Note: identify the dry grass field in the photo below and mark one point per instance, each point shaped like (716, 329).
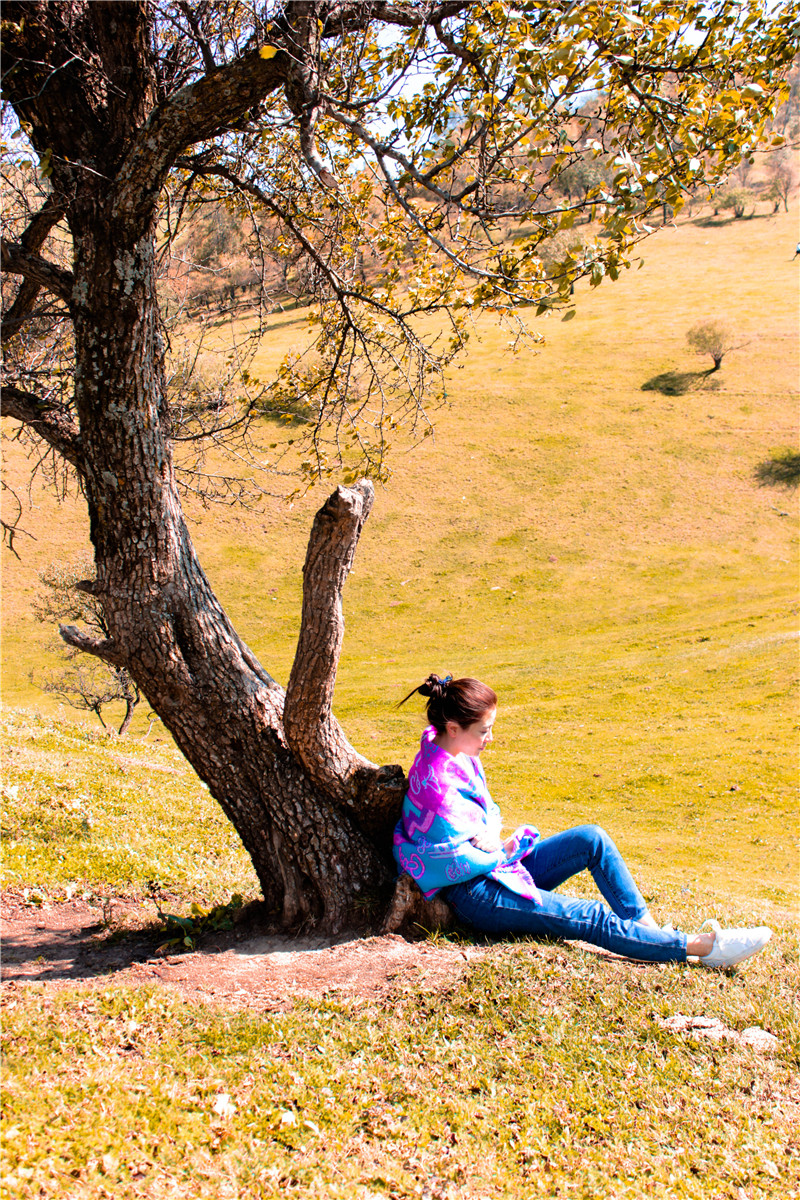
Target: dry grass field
(586, 533)
(598, 550)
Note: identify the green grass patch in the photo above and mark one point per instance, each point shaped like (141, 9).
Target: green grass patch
(86, 810)
(545, 1071)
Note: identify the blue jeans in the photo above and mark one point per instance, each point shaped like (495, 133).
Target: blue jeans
(491, 908)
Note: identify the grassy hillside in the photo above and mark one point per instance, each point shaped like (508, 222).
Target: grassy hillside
(544, 1073)
(595, 548)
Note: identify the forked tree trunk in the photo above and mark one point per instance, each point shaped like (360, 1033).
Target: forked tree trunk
(312, 813)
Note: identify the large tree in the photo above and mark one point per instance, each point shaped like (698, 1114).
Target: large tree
(404, 158)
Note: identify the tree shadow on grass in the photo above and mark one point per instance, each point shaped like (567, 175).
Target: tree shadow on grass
(69, 941)
(720, 220)
(677, 383)
(781, 469)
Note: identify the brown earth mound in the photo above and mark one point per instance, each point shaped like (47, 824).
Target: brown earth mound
(74, 942)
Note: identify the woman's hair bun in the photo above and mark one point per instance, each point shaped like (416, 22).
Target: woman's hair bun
(461, 700)
(434, 686)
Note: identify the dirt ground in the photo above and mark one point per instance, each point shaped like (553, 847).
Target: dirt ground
(69, 942)
(56, 944)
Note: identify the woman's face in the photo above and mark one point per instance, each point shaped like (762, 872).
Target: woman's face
(471, 739)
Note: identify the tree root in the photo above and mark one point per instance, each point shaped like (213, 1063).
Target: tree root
(409, 907)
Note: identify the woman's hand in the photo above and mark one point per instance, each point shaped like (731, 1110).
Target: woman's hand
(486, 842)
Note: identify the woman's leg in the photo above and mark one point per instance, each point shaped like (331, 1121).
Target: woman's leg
(493, 909)
(587, 848)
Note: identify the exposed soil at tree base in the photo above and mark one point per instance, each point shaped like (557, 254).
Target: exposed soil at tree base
(57, 944)
(62, 943)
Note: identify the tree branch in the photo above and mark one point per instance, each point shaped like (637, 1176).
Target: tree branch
(32, 241)
(212, 104)
(195, 113)
(338, 17)
(19, 261)
(201, 41)
(102, 648)
(313, 733)
(302, 82)
(462, 52)
(11, 527)
(52, 424)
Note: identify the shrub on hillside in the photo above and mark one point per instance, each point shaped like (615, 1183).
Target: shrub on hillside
(84, 683)
(739, 199)
(712, 337)
(782, 172)
(781, 469)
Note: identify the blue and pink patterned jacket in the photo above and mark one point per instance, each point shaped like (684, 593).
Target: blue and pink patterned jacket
(447, 804)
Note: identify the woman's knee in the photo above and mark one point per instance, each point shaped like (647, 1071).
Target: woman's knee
(596, 843)
(593, 836)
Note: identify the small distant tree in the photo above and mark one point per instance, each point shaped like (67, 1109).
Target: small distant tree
(580, 177)
(714, 338)
(560, 253)
(781, 469)
(783, 179)
(90, 687)
(739, 199)
(742, 172)
(67, 594)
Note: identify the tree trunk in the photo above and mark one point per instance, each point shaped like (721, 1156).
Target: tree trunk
(313, 815)
(130, 705)
(312, 822)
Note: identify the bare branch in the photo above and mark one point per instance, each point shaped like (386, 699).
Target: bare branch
(32, 241)
(11, 527)
(19, 261)
(205, 49)
(52, 423)
(102, 648)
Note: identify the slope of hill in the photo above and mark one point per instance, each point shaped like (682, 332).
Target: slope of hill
(585, 532)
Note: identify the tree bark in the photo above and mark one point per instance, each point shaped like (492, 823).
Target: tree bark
(314, 860)
(409, 910)
(315, 830)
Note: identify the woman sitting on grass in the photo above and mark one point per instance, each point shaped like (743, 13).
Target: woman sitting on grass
(448, 840)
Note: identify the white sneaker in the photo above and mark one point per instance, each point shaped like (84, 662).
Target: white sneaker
(732, 946)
